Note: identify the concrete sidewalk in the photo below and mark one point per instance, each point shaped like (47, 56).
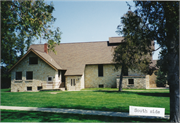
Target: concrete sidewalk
(79, 111)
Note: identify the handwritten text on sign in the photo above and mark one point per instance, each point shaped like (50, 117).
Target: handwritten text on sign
(146, 111)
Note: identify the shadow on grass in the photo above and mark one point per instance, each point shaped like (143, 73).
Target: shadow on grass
(30, 116)
(117, 109)
(159, 94)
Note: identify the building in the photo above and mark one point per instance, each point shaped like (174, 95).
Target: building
(74, 67)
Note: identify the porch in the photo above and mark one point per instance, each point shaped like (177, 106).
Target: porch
(53, 86)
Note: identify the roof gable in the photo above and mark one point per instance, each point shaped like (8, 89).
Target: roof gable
(45, 57)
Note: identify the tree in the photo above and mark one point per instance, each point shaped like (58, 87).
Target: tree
(132, 55)
(161, 79)
(22, 23)
(160, 21)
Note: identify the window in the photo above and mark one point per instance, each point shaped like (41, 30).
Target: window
(131, 81)
(50, 78)
(100, 70)
(101, 86)
(59, 73)
(39, 87)
(18, 75)
(29, 88)
(29, 75)
(126, 72)
(33, 60)
(73, 82)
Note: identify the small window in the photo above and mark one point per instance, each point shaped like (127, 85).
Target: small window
(73, 82)
(101, 86)
(29, 88)
(18, 75)
(33, 60)
(131, 81)
(39, 87)
(100, 70)
(29, 75)
(50, 78)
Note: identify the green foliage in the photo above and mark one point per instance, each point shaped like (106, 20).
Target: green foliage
(135, 51)
(162, 20)
(161, 79)
(22, 23)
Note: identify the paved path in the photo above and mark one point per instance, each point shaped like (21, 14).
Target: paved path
(79, 111)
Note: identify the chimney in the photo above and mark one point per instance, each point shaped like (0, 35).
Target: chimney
(46, 48)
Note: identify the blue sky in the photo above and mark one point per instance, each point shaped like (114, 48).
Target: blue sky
(85, 21)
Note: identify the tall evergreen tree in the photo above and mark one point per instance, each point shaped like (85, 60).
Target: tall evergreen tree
(132, 53)
(160, 22)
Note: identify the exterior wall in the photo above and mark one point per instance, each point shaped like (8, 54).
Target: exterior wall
(92, 80)
(77, 86)
(40, 73)
(110, 79)
(139, 82)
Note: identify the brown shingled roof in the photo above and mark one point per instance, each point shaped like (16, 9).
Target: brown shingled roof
(74, 56)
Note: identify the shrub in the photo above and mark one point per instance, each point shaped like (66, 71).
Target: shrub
(161, 79)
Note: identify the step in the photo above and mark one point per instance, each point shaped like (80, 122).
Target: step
(62, 89)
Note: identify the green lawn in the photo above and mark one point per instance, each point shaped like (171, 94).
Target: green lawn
(103, 99)
(30, 116)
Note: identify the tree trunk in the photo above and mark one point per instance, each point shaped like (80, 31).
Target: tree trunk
(173, 79)
(121, 78)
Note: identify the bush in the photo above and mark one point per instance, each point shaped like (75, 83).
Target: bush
(161, 79)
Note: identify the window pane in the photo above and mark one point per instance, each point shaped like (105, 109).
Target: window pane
(126, 72)
(29, 88)
(39, 87)
(33, 60)
(131, 81)
(49, 78)
(100, 70)
(29, 75)
(18, 75)
(101, 86)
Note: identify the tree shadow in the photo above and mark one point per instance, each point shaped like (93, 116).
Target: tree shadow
(117, 109)
(32, 116)
(159, 94)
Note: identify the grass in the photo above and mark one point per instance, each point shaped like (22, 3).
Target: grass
(103, 99)
(6, 90)
(31, 116)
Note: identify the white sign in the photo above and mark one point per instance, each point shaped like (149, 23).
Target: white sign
(146, 111)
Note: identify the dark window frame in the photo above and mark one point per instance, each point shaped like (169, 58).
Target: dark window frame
(101, 85)
(126, 72)
(131, 81)
(100, 70)
(18, 77)
(73, 82)
(39, 87)
(33, 60)
(51, 78)
(29, 88)
(28, 76)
